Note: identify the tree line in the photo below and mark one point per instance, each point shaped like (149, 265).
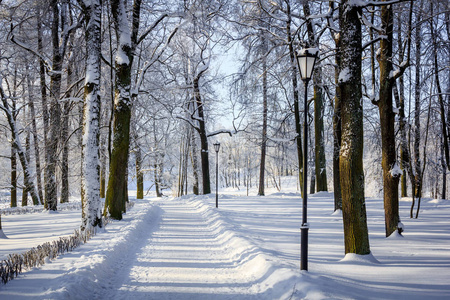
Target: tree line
(95, 93)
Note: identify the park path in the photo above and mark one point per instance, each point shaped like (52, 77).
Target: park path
(190, 256)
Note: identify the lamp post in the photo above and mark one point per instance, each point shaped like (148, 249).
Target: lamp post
(217, 147)
(306, 59)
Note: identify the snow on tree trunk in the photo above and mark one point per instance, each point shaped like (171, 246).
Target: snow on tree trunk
(90, 179)
(356, 236)
(116, 193)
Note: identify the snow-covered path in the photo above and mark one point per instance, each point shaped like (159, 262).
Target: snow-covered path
(189, 254)
(185, 248)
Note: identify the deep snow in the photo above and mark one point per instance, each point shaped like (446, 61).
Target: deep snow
(185, 248)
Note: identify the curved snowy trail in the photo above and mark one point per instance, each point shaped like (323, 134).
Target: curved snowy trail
(191, 255)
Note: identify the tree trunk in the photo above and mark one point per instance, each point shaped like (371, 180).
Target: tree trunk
(51, 195)
(417, 91)
(194, 161)
(103, 169)
(391, 175)
(203, 138)
(45, 113)
(35, 140)
(90, 179)
(319, 144)
(295, 86)
(116, 194)
(65, 154)
(337, 133)
(351, 153)
(262, 165)
(27, 155)
(139, 174)
(13, 189)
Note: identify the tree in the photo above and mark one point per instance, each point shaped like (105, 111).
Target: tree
(350, 157)
(319, 144)
(28, 174)
(90, 179)
(391, 168)
(116, 192)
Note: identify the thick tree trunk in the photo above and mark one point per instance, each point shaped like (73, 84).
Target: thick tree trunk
(203, 138)
(90, 179)
(51, 195)
(350, 160)
(116, 194)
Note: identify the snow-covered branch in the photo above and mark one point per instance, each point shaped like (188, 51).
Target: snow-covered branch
(220, 131)
(363, 3)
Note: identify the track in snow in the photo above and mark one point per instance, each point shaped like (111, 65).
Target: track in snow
(192, 256)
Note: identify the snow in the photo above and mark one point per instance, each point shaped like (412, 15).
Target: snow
(345, 75)
(185, 248)
(313, 51)
(396, 171)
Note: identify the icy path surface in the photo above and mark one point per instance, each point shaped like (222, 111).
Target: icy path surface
(191, 256)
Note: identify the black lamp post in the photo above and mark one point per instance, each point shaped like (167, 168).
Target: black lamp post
(217, 147)
(306, 59)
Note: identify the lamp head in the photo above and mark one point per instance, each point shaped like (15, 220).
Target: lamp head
(216, 146)
(306, 59)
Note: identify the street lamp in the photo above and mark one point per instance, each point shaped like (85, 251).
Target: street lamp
(217, 147)
(306, 59)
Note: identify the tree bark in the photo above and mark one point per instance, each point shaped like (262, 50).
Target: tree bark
(51, 196)
(356, 236)
(116, 194)
(203, 138)
(295, 86)
(90, 179)
(139, 173)
(387, 122)
(319, 144)
(35, 140)
(417, 91)
(262, 165)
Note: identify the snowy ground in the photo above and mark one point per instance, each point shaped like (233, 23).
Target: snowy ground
(183, 248)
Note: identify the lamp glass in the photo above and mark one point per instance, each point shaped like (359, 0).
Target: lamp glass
(306, 60)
